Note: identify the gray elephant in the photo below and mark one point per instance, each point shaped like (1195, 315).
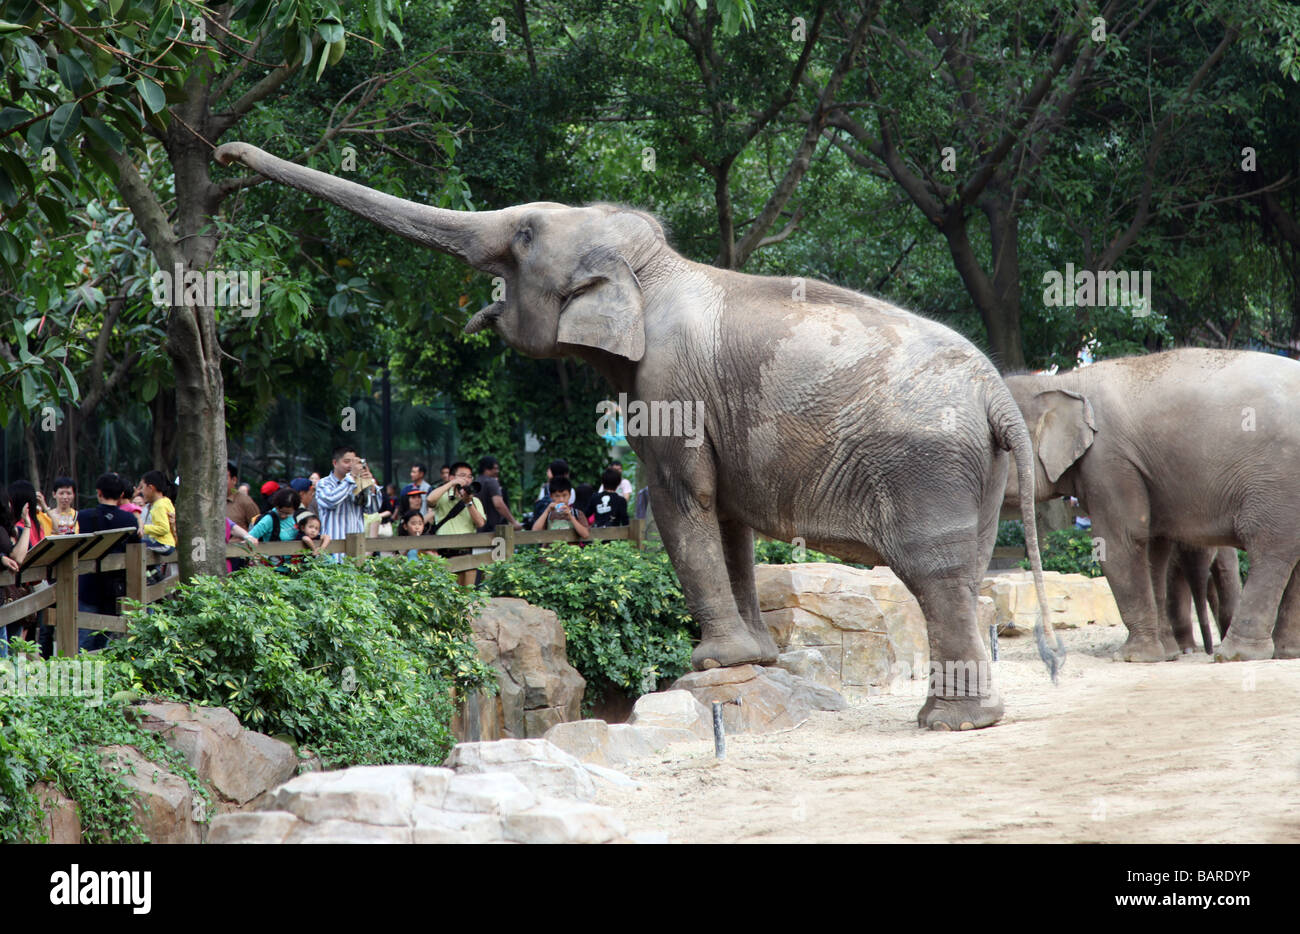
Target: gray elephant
(1195, 446)
(875, 435)
(1209, 580)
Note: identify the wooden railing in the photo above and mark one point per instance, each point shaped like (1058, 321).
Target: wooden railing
(61, 575)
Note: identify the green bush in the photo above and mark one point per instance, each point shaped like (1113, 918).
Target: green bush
(623, 613)
(57, 739)
(1068, 551)
(768, 551)
(354, 663)
(1011, 532)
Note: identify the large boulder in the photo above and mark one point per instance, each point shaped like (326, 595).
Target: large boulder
(162, 802)
(1073, 600)
(866, 625)
(238, 765)
(613, 744)
(673, 710)
(62, 822)
(757, 699)
(538, 688)
(416, 804)
(542, 766)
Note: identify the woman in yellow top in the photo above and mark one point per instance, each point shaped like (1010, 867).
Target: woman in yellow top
(62, 519)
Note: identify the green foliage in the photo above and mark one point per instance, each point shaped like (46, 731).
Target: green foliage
(623, 612)
(354, 663)
(57, 740)
(1011, 532)
(1068, 551)
(767, 551)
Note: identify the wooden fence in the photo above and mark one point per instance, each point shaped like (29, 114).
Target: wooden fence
(60, 564)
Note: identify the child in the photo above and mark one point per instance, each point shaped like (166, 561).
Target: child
(309, 532)
(412, 524)
(158, 521)
(559, 514)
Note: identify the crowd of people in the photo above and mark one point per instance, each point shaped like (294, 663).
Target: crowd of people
(313, 510)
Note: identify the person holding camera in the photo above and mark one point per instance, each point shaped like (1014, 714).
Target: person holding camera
(345, 495)
(456, 510)
(558, 514)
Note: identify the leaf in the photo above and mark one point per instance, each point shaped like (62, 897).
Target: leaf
(105, 132)
(71, 73)
(65, 121)
(10, 248)
(153, 95)
(12, 116)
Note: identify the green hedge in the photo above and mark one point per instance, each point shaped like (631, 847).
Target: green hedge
(56, 739)
(353, 663)
(623, 613)
(1068, 551)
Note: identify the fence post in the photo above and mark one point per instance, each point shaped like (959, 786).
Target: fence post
(354, 546)
(636, 533)
(65, 604)
(508, 533)
(136, 571)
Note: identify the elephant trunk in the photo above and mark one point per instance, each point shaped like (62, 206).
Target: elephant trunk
(476, 238)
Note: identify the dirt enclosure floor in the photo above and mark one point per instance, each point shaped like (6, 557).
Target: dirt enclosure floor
(1179, 752)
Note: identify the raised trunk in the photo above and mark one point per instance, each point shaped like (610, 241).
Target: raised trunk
(477, 238)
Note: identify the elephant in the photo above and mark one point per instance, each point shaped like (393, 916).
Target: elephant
(1195, 445)
(1209, 579)
(873, 434)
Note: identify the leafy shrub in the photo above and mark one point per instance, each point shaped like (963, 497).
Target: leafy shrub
(354, 663)
(1068, 551)
(767, 551)
(1011, 532)
(57, 739)
(623, 612)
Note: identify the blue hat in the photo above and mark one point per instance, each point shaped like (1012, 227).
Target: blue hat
(411, 488)
(300, 484)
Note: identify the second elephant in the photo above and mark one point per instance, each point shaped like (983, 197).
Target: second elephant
(1207, 580)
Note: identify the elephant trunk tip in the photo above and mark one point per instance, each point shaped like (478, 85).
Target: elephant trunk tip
(486, 317)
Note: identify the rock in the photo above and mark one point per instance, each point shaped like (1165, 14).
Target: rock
(237, 764)
(771, 699)
(442, 827)
(252, 827)
(162, 802)
(811, 665)
(611, 777)
(538, 686)
(674, 710)
(347, 831)
(543, 767)
(380, 795)
(601, 743)
(1072, 599)
(564, 822)
(488, 793)
(648, 836)
(62, 821)
(866, 624)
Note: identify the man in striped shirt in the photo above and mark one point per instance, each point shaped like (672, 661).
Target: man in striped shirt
(345, 495)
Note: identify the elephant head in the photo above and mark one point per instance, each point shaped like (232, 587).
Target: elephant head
(570, 273)
(1061, 427)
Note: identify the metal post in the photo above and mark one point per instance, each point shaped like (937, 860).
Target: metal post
(719, 733)
(993, 640)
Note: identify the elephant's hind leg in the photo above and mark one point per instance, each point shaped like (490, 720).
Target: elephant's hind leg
(1251, 635)
(738, 547)
(1286, 637)
(961, 695)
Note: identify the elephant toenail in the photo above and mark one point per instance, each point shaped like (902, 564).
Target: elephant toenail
(967, 725)
(940, 725)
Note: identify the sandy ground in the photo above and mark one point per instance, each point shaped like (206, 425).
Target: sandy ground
(1179, 752)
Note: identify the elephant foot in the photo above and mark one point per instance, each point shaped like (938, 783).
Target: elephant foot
(1287, 650)
(767, 646)
(741, 648)
(1147, 650)
(1236, 649)
(960, 713)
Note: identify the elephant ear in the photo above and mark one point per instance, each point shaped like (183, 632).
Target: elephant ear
(1064, 430)
(606, 309)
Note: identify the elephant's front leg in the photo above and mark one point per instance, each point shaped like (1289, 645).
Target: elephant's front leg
(1131, 574)
(738, 546)
(1251, 635)
(688, 524)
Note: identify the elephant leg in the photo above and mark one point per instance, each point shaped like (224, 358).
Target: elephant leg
(961, 695)
(738, 547)
(1179, 602)
(1159, 551)
(693, 538)
(1129, 572)
(1196, 568)
(1251, 636)
(1286, 637)
(1226, 572)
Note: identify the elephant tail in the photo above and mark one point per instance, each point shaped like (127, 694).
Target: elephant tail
(1012, 435)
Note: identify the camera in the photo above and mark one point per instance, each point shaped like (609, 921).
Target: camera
(474, 488)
